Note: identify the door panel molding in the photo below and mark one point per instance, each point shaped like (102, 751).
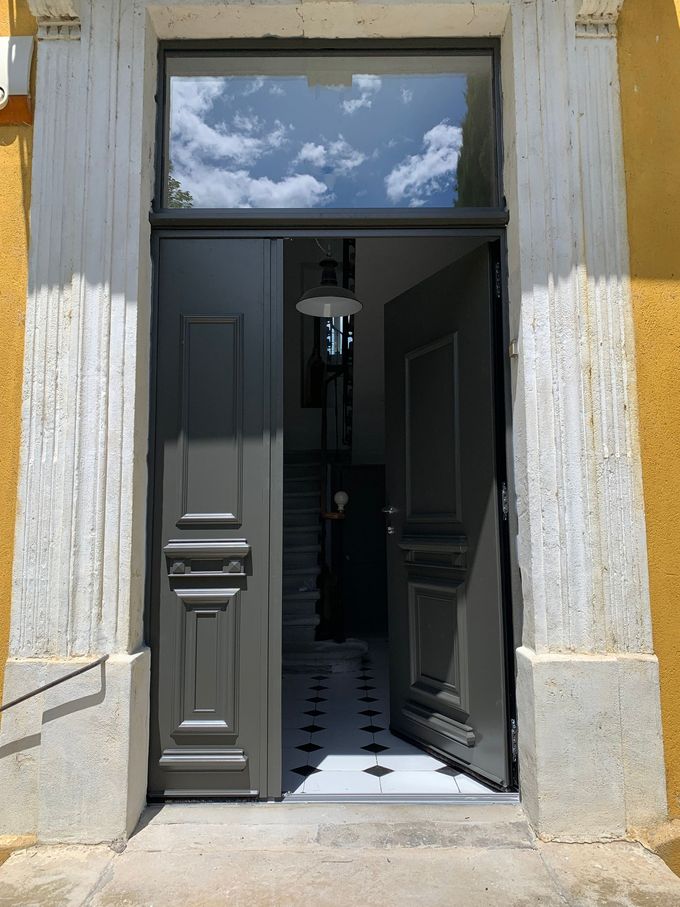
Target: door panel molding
(423, 386)
(229, 398)
(219, 645)
(440, 693)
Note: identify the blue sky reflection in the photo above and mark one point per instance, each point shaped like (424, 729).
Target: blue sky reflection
(277, 141)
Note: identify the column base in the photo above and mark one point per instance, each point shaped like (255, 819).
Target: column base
(590, 744)
(73, 760)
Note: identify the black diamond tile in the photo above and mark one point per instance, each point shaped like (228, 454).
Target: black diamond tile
(365, 688)
(312, 728)
(319, 677)
(378, 771)
(372, 728)
(369, 713)
(367, 699)
(305, 770)
(364, 677)
(375, 748)
(315, 712)
(451, 772)
(308, 747)
(319, 687)
(316, 699)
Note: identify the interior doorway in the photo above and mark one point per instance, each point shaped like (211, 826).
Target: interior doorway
(394, 605)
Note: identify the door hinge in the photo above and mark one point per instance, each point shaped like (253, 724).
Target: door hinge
(505, 505)
(513, 738)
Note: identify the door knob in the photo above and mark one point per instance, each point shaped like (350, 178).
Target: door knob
(389, 510)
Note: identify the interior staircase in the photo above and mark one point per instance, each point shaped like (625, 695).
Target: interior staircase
(302, 484)
(301, 549)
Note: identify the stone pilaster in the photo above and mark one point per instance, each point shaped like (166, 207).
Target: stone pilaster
(78, 570)
(590, 763)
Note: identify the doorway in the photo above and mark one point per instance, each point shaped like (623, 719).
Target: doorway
(244, 494)
(245, 518)
(394, 637)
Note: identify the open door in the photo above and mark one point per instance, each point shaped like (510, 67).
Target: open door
(215, 718)
(447, 674)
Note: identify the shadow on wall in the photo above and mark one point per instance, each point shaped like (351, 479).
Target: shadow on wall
(15, 176)
(22, 743)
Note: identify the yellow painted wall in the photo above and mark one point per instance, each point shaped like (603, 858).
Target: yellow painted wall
(15, 187)
(649, 61)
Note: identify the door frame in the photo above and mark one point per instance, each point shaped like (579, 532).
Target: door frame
(495, 236)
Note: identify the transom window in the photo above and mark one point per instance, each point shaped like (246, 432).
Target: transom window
(333, 130)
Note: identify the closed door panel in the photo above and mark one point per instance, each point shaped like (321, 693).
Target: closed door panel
(447, 683)
(210, 605)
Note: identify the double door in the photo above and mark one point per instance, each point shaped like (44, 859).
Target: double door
(216, 513)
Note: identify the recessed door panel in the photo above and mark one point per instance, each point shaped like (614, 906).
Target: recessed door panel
(210, 607)
(211, 458)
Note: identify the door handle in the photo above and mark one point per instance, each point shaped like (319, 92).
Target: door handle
(389, 512)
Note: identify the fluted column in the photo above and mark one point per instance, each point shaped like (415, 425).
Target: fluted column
(591, 759)
(78, 572)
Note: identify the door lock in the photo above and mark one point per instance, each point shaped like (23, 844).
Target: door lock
(389, 512)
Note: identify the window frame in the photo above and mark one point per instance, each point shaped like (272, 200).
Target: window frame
(495, 215)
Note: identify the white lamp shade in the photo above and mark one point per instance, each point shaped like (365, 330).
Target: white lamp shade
(328, 302)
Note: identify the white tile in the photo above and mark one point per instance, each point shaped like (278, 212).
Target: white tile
(418, 783)
(342, 783)
(341, 762)
(396, 744)
(409, 762)
(468, 785)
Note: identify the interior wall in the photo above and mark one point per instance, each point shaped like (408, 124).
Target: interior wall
(385, 268)
(16, 144)
(649, 64)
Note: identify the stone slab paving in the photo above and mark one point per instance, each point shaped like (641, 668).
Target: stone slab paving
(326, 855)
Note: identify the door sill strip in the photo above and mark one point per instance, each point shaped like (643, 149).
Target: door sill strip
(461, 799)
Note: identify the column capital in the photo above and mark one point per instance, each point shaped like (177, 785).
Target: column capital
(57, 19)
(597, 18)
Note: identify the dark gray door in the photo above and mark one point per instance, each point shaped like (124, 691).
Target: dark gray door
(447, 681)
(215, 713)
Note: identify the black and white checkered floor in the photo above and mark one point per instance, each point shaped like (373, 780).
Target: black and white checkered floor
(336, 740)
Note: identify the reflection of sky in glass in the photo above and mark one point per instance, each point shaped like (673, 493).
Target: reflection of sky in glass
(278, 142)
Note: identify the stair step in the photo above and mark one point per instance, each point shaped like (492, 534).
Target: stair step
(307, 519)
(296, 536)
(301, 484)
(312, 595)
(301, 470)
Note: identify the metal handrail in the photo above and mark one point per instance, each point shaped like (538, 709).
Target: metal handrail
(54, 683)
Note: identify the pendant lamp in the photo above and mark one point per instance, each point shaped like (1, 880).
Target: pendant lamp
(328, 300)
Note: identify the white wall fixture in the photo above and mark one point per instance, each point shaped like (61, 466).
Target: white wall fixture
(16, 54)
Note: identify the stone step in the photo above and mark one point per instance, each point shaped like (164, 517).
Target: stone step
(303, 580)
(324, 656)
(302, 484)
(307, 517)
(300, 557)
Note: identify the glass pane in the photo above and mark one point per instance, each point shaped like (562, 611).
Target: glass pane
(327, 131)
